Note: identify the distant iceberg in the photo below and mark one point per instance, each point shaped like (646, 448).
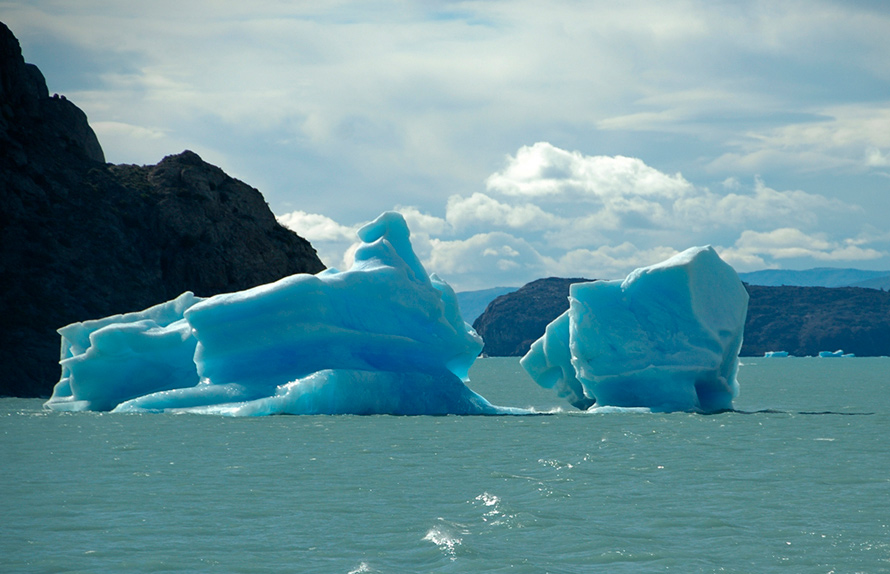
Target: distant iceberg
(381, 338)
(666, 338)
(775, 354)
(838, 353)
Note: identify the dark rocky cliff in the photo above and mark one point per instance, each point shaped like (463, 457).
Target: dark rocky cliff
(81, 239)
(800, 320)
(512, 322)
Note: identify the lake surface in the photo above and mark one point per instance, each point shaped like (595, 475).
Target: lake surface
(798, 481)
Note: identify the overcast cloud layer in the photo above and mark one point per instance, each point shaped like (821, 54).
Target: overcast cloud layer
(520, 139)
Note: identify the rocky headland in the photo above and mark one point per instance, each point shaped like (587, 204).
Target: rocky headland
(82, 239)
(512, 322)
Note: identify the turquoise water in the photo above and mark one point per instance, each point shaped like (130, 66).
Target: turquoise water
(799, 481)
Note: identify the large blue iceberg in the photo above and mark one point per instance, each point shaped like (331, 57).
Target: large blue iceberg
(666, 338)
(383, 337)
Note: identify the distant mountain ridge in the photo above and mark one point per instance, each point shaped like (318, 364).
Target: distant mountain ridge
(818, 277)
(473, 303)
(882, 283)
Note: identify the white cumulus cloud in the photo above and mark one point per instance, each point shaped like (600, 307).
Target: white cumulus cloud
(791, 243)
(316, 227)
(480, 209)
(332, 241)
(552, 212)
(544, 170)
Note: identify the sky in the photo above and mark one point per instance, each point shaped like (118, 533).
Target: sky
(519, 139)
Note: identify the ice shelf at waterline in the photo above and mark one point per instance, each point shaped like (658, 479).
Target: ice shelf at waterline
(383, 337)
(666, 338)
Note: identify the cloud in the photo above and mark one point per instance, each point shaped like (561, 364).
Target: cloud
(620, 194)
(629, 215)
(874, 157)
(544, 170)
(791, 243)
(850, 137)
(485, 260)
(482, 210)
(607, 262)
(423, 223)
(316, 227)
(120, 129)
(762, 207)
(684, 109)
(330, 239)
(682, 115)
(408, 104)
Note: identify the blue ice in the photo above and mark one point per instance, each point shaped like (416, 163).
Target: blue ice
(383, 337)
(838, 353)
(665, 338)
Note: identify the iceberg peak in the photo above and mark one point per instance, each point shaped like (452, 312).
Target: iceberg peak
(387, 241)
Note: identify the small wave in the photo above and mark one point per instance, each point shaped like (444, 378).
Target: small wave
(493, 513)
(445, 540)
(553, 463)
(488, 499)
(610, 409)
(496, 513)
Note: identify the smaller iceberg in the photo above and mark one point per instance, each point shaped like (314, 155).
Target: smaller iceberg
(667, 338)
(383, 337)
(775, 354)
(838, 353)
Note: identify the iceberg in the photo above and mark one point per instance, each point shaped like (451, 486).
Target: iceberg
(775, 354)
(666, 338)
(838, 353)
(383, 337)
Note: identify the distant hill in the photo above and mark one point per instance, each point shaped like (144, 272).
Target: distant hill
(818, 277)
(800, 320)
(882, 283)
(512, 322)
(807, 320)
(473, 303)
